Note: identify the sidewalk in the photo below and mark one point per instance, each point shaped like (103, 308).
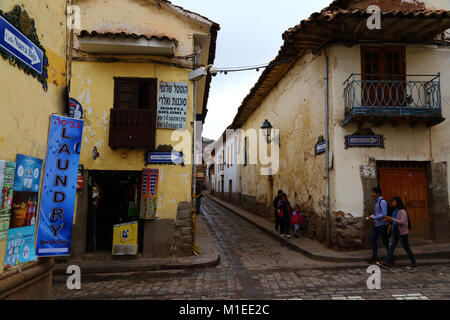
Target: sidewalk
(315, 250)
(106, 263)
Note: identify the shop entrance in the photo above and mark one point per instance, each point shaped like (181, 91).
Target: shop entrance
(408, 180)
(113, 199)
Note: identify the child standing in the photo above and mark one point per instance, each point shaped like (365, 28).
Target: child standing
(297, 220)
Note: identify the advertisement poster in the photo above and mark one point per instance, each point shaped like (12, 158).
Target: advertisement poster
(59, 187)
(172, 105)
(25, 191)
(7, 172)
(20, 246)
(149, 196)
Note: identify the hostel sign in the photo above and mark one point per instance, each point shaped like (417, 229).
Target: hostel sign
(172, 105)
(17, 44)
(59, 187)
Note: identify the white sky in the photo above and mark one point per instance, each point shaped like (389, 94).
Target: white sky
(250, 34)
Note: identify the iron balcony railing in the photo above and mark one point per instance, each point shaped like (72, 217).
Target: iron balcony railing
(400, 95)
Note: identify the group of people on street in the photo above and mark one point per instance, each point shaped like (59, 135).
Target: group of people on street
(391, 223)
(397, 217)
(284, 216)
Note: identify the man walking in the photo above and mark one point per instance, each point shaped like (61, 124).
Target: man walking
(380, 227)
(275, 206)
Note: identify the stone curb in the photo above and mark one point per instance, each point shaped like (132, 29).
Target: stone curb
(143, 265)
(296, 247)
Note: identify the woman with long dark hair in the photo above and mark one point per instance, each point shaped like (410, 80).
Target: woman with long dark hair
(399, 231)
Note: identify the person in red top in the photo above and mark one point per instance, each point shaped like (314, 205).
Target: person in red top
(297, 220)
(284, 212)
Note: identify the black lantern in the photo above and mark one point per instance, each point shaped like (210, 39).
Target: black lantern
(267, 128)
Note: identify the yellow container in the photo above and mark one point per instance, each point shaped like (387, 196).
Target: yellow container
(125, 239)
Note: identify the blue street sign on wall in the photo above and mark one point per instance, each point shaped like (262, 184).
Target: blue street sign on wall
(165, 158)
(355, 141)
(321, 147)
(59, 187)
(17, 44)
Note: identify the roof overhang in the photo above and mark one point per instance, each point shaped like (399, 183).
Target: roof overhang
(128, 46)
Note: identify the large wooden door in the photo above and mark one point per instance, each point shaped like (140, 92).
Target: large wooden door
(411, 185)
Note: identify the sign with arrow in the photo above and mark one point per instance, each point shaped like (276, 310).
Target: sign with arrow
(17, 44)
(355, 141)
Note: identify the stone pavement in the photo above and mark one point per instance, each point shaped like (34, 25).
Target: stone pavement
(315, 250)
(106, 263)
(254, 265)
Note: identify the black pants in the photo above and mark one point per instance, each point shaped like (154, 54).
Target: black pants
(284, 225)
(376, 232)
(277, 220)
(395, 237)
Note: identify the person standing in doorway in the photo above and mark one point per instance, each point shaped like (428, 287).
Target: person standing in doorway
(400, 225)
(380, 227)
(285, 216)
(275, 207)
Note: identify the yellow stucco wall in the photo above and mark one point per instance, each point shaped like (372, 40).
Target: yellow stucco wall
(93, 86)
(25, 107)
(298, 114)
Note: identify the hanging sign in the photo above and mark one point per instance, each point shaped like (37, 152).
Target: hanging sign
(372, 141)
(149, 194)
(59, 187)
(17, 44)
(172, 105)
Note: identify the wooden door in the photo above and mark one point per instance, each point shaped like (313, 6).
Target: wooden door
(230, 190)
(410, 184)
(383, 73)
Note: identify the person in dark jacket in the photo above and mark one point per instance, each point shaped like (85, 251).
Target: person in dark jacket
(285, 211)
(275, 207)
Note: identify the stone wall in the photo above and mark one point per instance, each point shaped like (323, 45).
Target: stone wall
(182, 236)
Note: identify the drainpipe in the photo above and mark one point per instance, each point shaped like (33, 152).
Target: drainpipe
(327, 154)
(194, 178)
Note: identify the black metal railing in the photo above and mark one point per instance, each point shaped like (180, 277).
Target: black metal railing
(421, 92)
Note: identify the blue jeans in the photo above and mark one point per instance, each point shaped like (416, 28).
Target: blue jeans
(376, 232)
(395, 237)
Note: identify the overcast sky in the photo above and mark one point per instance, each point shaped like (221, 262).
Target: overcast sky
(250, 34)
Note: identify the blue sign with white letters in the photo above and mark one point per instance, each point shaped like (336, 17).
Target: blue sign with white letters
(17, 44)
(59, 187)
(165, 158)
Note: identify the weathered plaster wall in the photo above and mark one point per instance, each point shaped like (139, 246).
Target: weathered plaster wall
(401, 143)
(93, 86)
(295, 107)
(25, 107)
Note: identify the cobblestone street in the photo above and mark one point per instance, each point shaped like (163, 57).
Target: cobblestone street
(256, 266)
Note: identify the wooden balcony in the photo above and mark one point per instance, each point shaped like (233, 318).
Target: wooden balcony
(413, 99)
(132, 129)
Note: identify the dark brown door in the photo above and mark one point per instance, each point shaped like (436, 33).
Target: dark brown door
(230, 190)
(383, 74)
(411, 186)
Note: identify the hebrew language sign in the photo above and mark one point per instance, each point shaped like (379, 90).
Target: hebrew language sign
(172, 105)
(59, 187)
(149, 194)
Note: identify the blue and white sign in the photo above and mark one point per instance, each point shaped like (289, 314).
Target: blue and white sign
(321, 147)
(165, 158)
(17, 44)
(59, 187)
(364, 141)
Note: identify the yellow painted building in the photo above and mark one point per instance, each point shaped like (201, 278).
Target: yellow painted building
(26, 103)
(120, 46)
(411, 62)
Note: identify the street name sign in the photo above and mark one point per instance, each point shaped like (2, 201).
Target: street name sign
(17, 44)
(364, 141)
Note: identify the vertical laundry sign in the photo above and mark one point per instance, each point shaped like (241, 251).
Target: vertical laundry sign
(59, 187)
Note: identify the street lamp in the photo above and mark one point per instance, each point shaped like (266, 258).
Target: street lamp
(267, 128)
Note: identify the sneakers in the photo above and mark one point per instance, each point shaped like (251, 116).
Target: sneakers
(411, 266)
(384, 264)
(288, 236)
(282, 235)
(295, 235)
(374, 260)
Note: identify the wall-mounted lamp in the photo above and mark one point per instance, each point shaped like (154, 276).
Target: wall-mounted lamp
(267, 128)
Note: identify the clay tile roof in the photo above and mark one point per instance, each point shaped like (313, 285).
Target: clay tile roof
(325, 27)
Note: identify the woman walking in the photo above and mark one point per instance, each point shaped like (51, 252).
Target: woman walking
(400, 225)
(284, 212)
